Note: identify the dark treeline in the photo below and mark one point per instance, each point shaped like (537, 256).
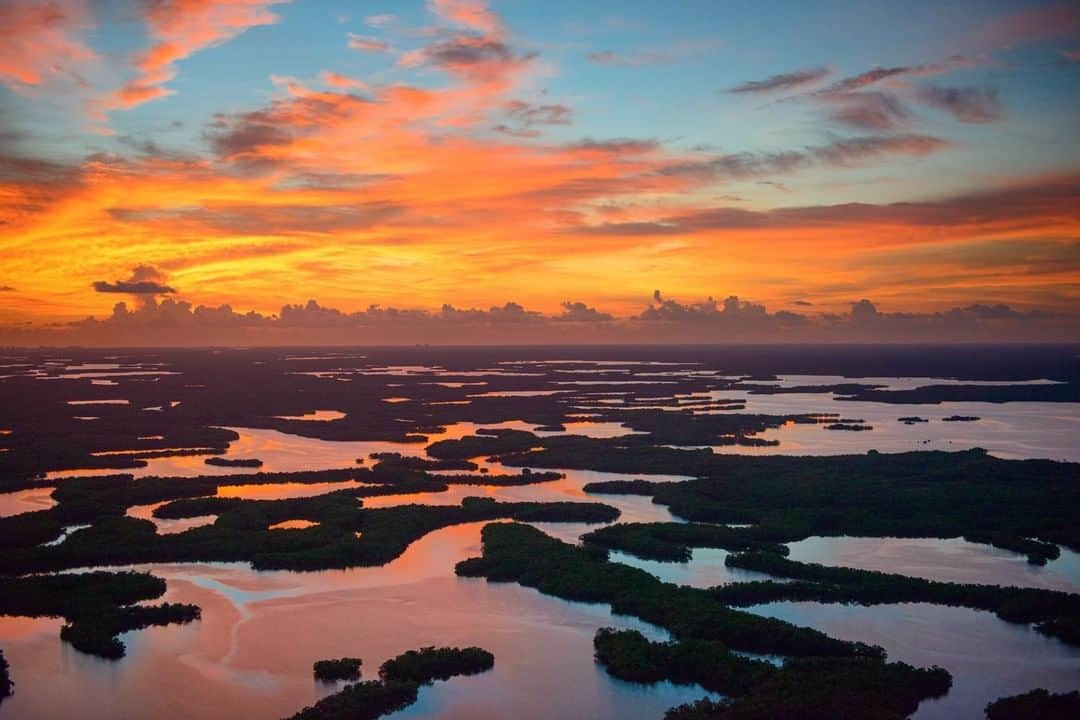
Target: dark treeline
(234, 462)
(6, 686)
(1037, 704)
(523, 554)
(821, 583)
(834, 679)
(924, 494)
(241, 533)
(88, 500)
(188, 410)
(345, 668)
(399, 682)
(97, 606)
(672, 542)
(825, 688)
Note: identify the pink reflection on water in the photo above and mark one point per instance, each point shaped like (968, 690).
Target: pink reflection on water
(251, 654)
(20, 501)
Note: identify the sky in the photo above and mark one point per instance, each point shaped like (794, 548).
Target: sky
(276, 171)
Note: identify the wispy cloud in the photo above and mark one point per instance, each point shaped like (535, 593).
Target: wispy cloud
(783, 81)
(966, 104)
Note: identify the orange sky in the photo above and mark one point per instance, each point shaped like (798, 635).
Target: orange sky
(452, 176)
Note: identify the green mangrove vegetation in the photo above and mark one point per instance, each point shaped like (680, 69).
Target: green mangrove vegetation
(6, 686)
(820, 583)
(241, 532)
(346, 668)
(672, 542)
(827, 689)
(924, 494)
(1040, 704)
(399, 682)
(97, 606)
(520, 553)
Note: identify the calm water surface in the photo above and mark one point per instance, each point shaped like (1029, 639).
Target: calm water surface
(251, 654)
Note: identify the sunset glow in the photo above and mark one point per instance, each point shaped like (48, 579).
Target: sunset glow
(571, 160)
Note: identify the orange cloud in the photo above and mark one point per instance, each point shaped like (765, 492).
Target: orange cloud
(401, 194)
(181, 28)
(39, 39)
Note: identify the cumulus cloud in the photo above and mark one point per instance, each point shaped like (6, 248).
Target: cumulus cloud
(145, 280)
(664, 319)
(580, 312)
(783, 81)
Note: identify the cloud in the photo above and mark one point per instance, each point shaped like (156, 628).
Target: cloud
(522, 133)
(876, 75)
(530, 114)
(471, 14)
(671, 52)
(580, 312)
(607, 57)
(1060, 20)
(840, 152)
(380, 22)
(1046, 201)
(341, 82)
(41, 40)
(664, 319)
(366, 43)
(1071, 56)
(620, 146)
(870, 110)
(145, 280)
(784, 81)
(181, 28)
(852, 151)
(6, 288)
(250, 138)
(966, 104)
(473, 58)
(254, 219)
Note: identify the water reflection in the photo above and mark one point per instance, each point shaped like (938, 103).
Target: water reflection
(251, 654)
(20, 501)
(946, 560)
(988, 658)
(705, 569)
(1007, 430)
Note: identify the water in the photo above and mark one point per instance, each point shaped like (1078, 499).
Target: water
(251, 654)
(988, 658)
(945, 560)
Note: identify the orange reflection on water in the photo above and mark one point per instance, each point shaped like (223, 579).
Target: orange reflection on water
(293, 525)
(285, 491)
